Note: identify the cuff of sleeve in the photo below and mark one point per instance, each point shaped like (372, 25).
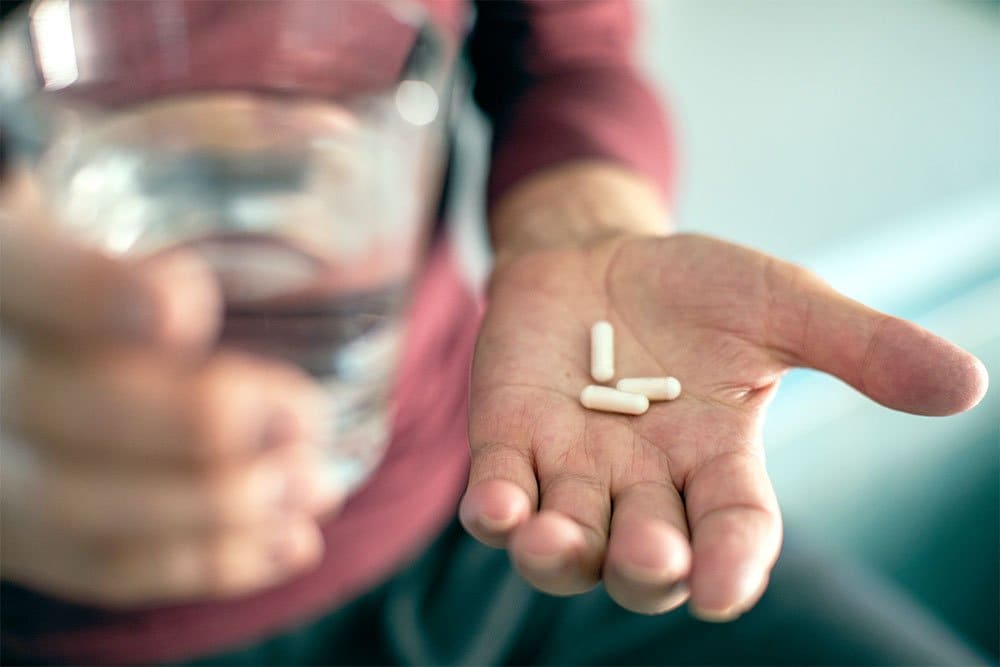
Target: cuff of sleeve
(606, 114)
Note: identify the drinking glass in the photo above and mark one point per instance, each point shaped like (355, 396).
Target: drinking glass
(294, 144)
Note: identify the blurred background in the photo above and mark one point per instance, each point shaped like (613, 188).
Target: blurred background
(861, 139)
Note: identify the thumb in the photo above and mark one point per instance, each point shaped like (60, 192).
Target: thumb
(890, 360)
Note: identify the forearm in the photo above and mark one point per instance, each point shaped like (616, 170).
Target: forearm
(581, 147)
(576, 203)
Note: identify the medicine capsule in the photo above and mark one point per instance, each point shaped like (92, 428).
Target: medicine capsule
(606, 399)
(602, 351)
(655, 389)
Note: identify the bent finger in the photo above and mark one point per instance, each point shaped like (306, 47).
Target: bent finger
(735, 534)
(93, 501)
(135, 407)
(560, 550)
(502, 492)
(217, 566)
(649, 555)
(53, 286)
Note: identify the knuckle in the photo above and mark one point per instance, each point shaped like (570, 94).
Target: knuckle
(568, 478)
(494, 459)
(495, 449)
(662, 489)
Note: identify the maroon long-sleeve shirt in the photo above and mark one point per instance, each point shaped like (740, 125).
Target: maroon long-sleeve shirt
(558, 81)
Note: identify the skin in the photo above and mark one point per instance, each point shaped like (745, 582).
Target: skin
(675, 503)
(141, 467)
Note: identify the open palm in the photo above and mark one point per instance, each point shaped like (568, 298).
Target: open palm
(676, 501)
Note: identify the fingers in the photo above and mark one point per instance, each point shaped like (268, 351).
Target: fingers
(736, 533)
(136, 407)
(139, 572)
(560, 550)
(894, 362)
(96, 503)
(502, 492)
(52, 286)
(648, 554)
(120, 538)
(231, 564)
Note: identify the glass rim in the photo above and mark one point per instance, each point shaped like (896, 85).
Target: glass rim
(24, 77)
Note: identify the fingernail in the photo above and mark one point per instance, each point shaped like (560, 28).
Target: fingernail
(714, 615)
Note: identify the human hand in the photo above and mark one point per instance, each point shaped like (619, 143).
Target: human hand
(139, 466)
(679, 494)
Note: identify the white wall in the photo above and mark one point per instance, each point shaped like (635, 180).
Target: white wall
(806, 122)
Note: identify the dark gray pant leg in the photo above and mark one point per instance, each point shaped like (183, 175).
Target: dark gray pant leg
(463, 604)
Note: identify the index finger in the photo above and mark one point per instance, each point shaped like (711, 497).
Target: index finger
(51, 285)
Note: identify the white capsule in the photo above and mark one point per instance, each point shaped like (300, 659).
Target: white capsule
(606, 399)
(602, 351)
(655, 389)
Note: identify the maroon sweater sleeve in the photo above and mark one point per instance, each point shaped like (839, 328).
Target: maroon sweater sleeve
(558, 81)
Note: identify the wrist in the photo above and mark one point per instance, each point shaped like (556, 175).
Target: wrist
(576, 204)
